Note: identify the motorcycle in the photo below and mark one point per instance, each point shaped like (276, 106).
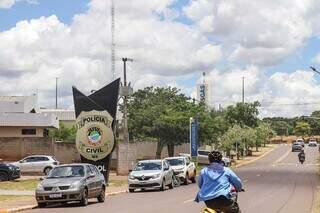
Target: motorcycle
(234, 198)
(302, 159)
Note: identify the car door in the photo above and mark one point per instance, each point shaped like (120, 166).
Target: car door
(26, 164)
(166, 173)
(97, 180)
(90, 181)
(39, 164)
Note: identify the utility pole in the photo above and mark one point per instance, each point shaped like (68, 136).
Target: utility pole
(125, 101)
(243, 90)
(56, 93)
(113, 43)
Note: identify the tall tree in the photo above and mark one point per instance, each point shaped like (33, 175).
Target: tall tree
(243, 114)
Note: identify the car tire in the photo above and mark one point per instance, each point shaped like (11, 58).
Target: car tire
(185, 181)
(4, 176)
(47, 170)
(84, 198)
(131, 190)
(42, 205)
(171, 184)
(101, 198)
(193, 179)
(162, 186)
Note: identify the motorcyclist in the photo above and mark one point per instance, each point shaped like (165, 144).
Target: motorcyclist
(302, 156)
(215, 183)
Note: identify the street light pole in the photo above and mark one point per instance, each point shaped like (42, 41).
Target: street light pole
(125, 102)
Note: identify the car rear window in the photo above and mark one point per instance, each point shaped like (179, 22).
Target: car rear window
(203, 153)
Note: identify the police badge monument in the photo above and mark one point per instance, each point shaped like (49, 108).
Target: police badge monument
(95, 116)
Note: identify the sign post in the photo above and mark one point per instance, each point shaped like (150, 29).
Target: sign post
(95, 119)
(194, 137)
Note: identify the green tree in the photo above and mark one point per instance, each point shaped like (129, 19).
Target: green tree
(302, 128)
(161, 114)
(64, 133)
(243, 114)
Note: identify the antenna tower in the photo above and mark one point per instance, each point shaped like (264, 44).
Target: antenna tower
(113, 45)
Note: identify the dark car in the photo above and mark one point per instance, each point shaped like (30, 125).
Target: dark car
(9, 172)
(296, 147)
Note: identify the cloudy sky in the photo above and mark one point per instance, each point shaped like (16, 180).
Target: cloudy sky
(271, 43)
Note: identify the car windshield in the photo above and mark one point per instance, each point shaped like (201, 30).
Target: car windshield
(176, 161)
(148, 166)
(67, 171)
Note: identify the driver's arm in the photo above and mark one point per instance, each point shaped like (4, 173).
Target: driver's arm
(235, 180)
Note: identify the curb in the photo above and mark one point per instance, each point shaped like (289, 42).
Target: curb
(16, 209)
(254, 160)
(22, 208)
(115, 193)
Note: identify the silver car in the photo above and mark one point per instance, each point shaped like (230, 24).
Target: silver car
(151, 174)
(37, 163)
(71, 182)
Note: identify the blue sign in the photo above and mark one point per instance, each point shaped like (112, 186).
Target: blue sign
(194, 126)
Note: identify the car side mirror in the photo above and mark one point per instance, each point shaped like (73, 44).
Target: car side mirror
(188, 163)
(21, 161)
(42, 178)
(91, 175)
(130, 170)
(166, 169)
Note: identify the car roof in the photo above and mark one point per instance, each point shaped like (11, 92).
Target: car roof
(74, 164)
(150, 161)
(178, 157)
(39, 156)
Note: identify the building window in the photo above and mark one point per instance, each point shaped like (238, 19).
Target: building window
(29, 132)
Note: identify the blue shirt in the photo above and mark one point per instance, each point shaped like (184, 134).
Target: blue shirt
(216, 180)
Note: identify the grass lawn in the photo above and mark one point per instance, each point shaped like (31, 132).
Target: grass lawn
(118, 183)
(19, 184)
(32, 184)
(4, 198)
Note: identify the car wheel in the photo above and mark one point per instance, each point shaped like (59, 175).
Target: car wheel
(131, 190)
(193, 179)
(185, 181)
(47, 170)
(162, 186)
(101, 198)
(171, 184)
(4, 176)
(42, 205)
(84, 198)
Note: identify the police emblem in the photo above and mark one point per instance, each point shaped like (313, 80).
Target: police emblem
(95, 138)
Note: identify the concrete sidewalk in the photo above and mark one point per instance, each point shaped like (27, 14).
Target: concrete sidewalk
(25, 199)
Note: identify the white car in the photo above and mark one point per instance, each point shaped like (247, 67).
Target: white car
(183, 168)
(203, 158)
(151, 174)
(37, 163)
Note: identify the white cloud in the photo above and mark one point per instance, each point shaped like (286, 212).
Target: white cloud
(261, 32)
(281, 94)
(6, 4)
(38, 50)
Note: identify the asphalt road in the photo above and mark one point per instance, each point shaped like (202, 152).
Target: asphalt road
(274, 184)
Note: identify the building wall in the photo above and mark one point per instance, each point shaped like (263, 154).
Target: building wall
(15, 148)
(17, 132)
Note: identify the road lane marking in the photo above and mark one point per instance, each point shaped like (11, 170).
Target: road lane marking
(188, 201)
(258, 175)
(281, 158)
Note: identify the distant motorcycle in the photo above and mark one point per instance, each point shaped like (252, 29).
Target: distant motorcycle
(302, 158)
(234, 197)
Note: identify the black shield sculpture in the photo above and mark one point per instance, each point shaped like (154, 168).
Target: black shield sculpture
(96, 116)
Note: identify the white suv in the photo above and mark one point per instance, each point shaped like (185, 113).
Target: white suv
(37, 163)
(183, 168)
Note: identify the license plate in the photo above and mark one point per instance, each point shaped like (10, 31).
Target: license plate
(59, 195)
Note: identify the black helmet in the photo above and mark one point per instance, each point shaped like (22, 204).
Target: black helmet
(215, 157)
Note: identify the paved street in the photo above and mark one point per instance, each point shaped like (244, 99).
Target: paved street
(273, 184)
